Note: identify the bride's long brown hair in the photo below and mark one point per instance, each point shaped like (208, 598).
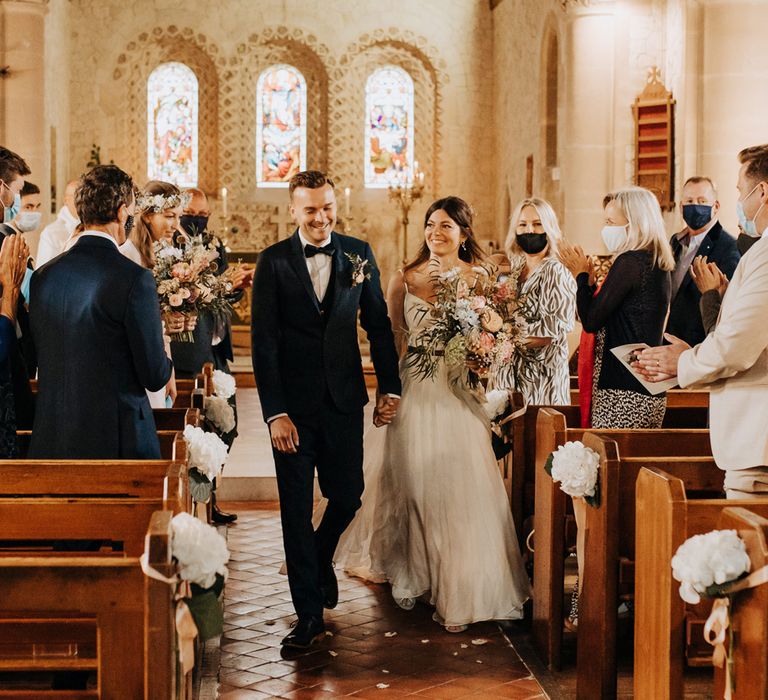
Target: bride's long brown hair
(461, 214)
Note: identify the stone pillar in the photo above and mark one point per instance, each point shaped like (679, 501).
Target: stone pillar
(589, 114)
(22, 89)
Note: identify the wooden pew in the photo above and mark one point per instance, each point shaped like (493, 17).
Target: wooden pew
(551, 508)
(175, 418)
(519, 468)
(669, 517)
(135, 654)
(749, 612)
(609, 554)
(675, 397)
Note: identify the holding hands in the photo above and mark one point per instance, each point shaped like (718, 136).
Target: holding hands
(386, 409)
(707, 276)
(13, 264)
(576, 260)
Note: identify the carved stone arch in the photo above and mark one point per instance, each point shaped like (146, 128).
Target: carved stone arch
(279, 45)
(134, 65)
(420, 60)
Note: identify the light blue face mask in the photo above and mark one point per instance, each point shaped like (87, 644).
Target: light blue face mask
(748, 225)
(9, 213)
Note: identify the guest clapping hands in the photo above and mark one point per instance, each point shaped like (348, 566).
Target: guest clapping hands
(13, 265)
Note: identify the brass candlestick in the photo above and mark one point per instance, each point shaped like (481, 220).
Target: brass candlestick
(405, 194)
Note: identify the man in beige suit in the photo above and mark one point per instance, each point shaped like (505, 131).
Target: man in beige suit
(732, 361)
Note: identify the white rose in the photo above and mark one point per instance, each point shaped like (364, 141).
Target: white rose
(713, 558)
(207, 452)
(575, 467)
(219, 411)
(496, 403)
(223, 384)
(201, 552)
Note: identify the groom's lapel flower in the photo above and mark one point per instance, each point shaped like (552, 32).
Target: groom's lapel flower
(361, 268)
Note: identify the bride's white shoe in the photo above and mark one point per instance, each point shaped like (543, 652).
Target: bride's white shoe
(406, 603)
(453, 629)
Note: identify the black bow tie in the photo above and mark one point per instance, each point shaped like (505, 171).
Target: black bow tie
(311, 250)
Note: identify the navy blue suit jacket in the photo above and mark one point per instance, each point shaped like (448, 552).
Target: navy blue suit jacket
(302, 352)
(95, 320)
(684, 315)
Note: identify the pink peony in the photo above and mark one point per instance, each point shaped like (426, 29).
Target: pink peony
(181, 270)
(175, 300)
(491, 321)
(478, 303)
(486, 342)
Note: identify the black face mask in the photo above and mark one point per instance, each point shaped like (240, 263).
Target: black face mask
(128, 225)
(745, 242)
(194, 225)
(532, 243)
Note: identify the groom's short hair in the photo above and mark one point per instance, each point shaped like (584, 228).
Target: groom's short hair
(311, 179)
(101, 192)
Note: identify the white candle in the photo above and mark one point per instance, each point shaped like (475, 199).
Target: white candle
(421, 178)
(224, 202)
(347, 194)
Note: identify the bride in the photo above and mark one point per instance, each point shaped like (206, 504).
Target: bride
(435, 521)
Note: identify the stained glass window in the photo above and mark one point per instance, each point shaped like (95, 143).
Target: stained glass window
(281, 125)
(172, 142)
(388, 127)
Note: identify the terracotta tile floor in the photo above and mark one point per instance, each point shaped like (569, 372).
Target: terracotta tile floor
(358, 660)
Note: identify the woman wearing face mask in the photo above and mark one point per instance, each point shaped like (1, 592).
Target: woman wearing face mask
(158, 207)
(630, 307)
(435, 521)
(532, 242)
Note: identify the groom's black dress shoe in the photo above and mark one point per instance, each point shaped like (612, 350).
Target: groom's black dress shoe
(219, 516)
(308, 630)
(329, 587)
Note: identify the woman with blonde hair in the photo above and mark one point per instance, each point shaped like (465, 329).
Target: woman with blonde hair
(532, 244)
(630, 307)
(159, 206)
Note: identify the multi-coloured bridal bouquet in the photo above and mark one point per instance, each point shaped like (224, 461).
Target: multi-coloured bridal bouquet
(187, 282)
(478, 324)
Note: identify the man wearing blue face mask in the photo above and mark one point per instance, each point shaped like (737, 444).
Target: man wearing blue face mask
(23, 362)
(703, 236)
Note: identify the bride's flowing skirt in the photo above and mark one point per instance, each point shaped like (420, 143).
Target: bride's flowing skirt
(435, 519)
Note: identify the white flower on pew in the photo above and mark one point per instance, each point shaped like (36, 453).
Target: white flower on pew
(207, 451)
(707, 560)
(223, 384)
(575, 467)
(496, 403)
(199, 549)
(219, 411)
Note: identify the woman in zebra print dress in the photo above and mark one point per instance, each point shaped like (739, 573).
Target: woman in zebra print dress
(532, 242)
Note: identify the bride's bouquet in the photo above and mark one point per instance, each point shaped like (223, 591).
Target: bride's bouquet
(478, 325)
(187, 282)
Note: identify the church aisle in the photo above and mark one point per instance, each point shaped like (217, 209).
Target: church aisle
(360, 659)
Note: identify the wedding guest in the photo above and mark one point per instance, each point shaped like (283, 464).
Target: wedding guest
(703, 236)
(96, 306)
(733, 358)
(13, 261)
(630, 307)
(23, 360)
(30, 215)
(55, 235)
(434, 465)
(159, 206)
(532, 241)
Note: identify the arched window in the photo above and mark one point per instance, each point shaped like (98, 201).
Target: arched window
(388, 127)
(172, 140)
(281, 125)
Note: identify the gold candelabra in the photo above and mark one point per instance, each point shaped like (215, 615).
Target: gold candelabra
(405, 192)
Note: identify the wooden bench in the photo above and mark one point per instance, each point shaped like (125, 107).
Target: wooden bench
(519, 466)
(551, 509)
(675, 397)
(609, 554)
(669, 517)
(175, 418)
(119, 621)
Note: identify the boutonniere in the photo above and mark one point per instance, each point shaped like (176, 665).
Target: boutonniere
(361, 268)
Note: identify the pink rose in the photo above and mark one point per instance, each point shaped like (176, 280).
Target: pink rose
(486, 342)
(181, 270)
(175, 300)
(491, 321)
(478, 303)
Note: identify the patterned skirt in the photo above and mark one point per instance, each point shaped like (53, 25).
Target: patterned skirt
(622, 409)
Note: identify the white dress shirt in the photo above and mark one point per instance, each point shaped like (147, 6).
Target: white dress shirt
(689, 246)
(319, 267)
(54, 236)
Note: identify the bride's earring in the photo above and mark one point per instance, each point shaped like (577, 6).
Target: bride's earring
(463, 245)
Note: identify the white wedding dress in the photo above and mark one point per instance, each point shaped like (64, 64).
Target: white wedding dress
(435, 520)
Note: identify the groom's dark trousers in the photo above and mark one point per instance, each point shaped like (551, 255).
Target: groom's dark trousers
(307, 364)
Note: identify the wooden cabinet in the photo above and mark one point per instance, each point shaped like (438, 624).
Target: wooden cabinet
(654, 111)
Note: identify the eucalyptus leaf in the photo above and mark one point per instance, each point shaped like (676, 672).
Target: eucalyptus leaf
(548, 464)
(208, 614)
(199, 486)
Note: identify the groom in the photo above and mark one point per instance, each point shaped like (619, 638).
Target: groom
(307, 292)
